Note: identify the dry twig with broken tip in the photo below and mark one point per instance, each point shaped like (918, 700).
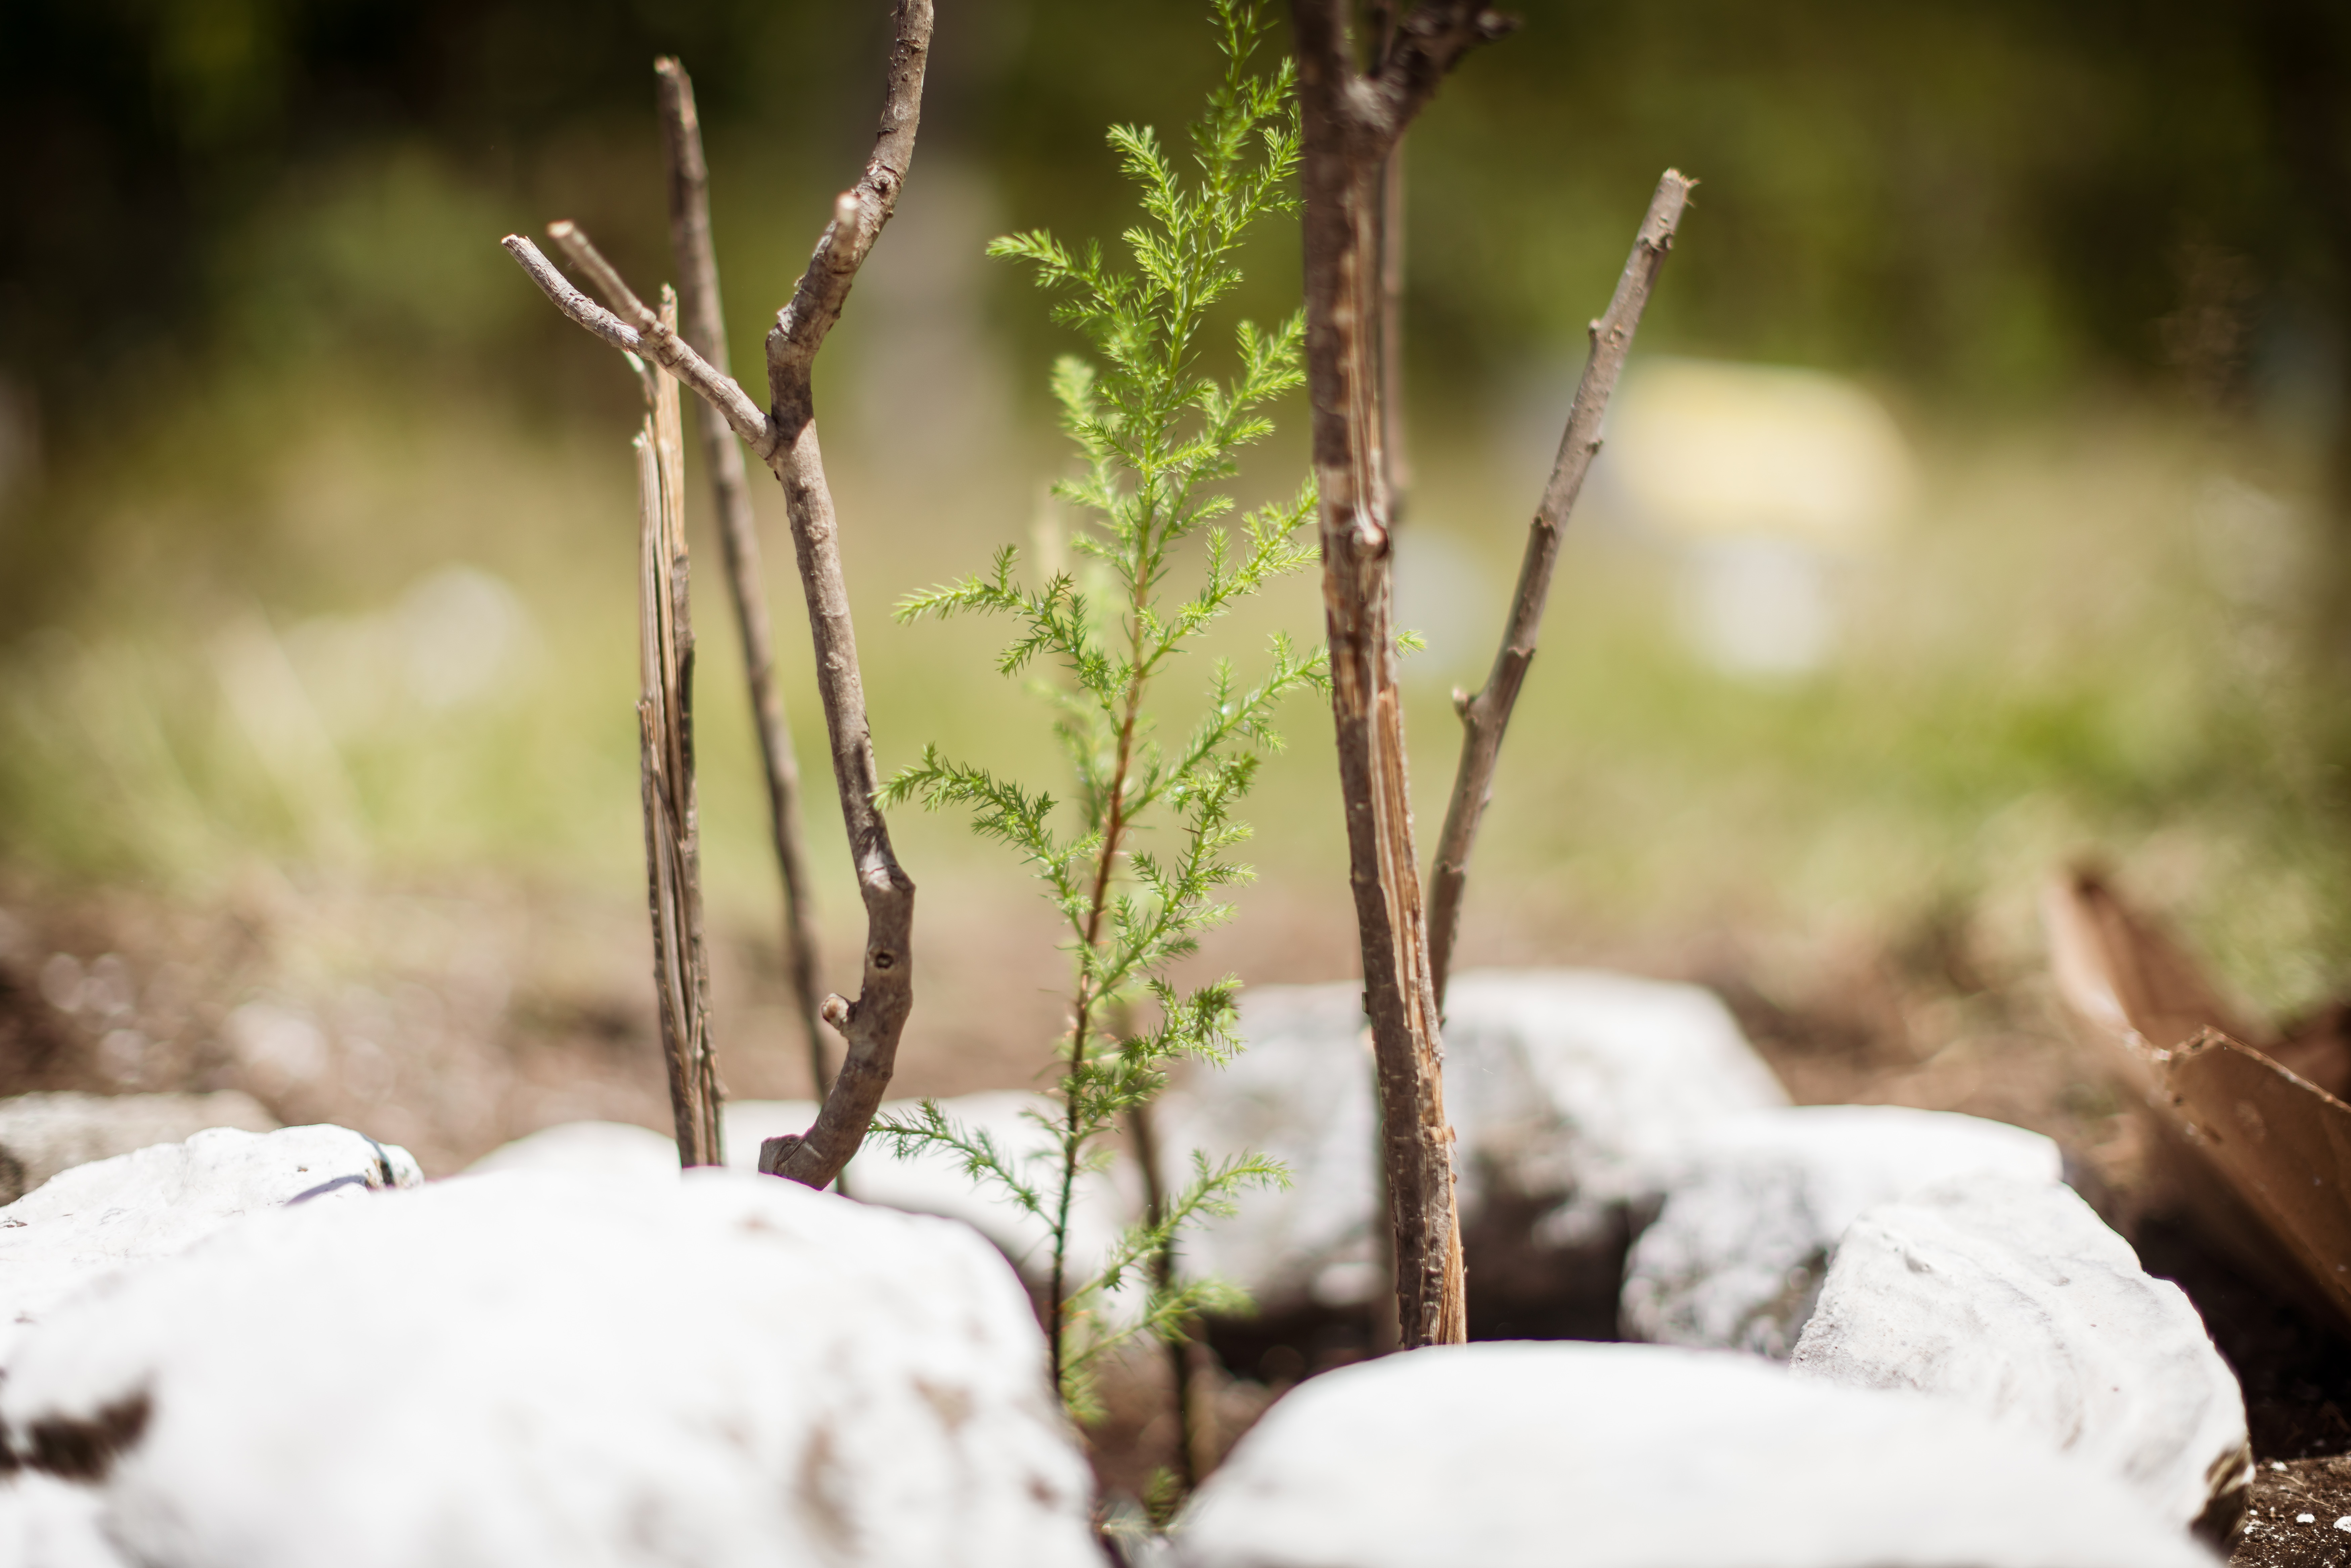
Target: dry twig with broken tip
(665, 770)
(1351, 121)
(1485, 717)
(785, 439)
(704, 325)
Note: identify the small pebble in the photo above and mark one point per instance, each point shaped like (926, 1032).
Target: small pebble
(2278, 1465)
(2344, 1524)
(2306, 1519)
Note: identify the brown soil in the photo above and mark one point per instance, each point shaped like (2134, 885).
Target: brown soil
(2293, 1522)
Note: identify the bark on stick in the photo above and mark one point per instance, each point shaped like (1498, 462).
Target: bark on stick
(1485, 717)
(1351, 122)
(784, 437)
(703, 320)
(665, 757)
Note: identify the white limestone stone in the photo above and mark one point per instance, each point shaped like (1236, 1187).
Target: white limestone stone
(2014, 1299)
(111, 1215)
(1529, 1456)
(41, 1135)
(932, 1181)
(1756, 1203)
(1573, 1089)
(45, 1522)
(726, 1370)
(586, 1148)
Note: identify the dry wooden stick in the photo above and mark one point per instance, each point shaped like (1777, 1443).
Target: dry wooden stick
(665, 768)
(1390, 350)
(785, 439)
(1485, 717)
(1398, 466)
(705, 326)
(1350, 121)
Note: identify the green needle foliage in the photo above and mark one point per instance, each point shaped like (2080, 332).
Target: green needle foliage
(1158, 436)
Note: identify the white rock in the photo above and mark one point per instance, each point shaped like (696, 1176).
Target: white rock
(586, 1148)
(41, 1135)
(45, 1522)
(1570, 1092)
(1301, 1092)
(518, 1370)
(111, 1215)
(932, 1181)
(1530, 1456)
(1735, 1259)
(2015, 1299)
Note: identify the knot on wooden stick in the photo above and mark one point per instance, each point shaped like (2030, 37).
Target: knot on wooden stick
(844, 218)
(835, 1011)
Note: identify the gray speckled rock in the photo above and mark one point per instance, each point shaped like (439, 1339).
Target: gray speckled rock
(1572, 1092)
(123, 1213)
(1735, 1259)
(2014, 1299)
(41, 1135)
(723, 1370)
(1531, 1456)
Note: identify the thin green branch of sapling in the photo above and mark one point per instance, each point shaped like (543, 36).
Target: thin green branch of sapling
(1159, 437)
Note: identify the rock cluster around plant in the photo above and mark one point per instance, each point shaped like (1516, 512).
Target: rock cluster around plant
(573, 1351)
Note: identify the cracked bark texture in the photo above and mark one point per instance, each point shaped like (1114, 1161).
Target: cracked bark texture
(665, 770)
(1351, 122)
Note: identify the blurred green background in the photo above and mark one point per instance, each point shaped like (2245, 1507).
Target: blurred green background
(316, 522)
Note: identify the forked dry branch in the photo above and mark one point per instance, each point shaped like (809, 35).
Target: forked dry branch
(704, 321)
(1352, 121)
(665, 770)
(1485, 717)
(785, 438)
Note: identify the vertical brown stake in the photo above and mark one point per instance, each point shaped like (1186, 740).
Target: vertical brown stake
(704, 325)
(1485, 717)
(1350, 123)
(1397, 474)
(783, 436)
(666, 757)
(1398, 468)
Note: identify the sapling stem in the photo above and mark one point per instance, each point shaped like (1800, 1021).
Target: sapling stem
(1157, 436)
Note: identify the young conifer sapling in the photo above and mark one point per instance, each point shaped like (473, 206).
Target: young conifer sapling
(1159, 437)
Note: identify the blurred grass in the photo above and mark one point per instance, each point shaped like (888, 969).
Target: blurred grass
(358, 597)
(2083, 643)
